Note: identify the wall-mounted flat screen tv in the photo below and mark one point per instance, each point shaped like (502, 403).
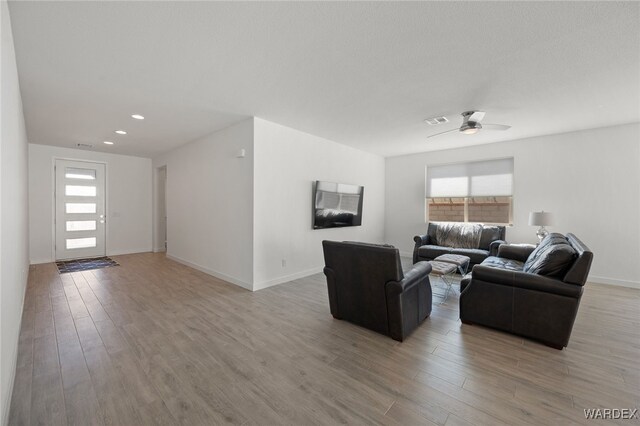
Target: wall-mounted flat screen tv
(337, 205)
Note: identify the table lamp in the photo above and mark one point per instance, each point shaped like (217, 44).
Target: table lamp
(540, 219)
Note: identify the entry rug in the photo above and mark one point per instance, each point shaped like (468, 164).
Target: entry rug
(75, 265)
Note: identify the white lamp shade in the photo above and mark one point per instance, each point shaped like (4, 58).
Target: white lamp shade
(540, 218)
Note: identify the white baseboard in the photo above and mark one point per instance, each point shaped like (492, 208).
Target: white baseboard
(406, 254)
(159, 250)
(14, 359)
(213, 273)
(109, 253)
(613, 281)
(128, 251)
(286, 278)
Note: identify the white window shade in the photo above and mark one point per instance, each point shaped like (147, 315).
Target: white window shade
(476, 179)
(492, 185)
(450, 187)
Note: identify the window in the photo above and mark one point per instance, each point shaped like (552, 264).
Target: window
(81, 191)
(80, 225)
(76, 173)
(75, 243)
(80, 207)
(481, 191)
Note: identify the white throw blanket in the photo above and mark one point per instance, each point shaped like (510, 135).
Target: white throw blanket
(459, 235)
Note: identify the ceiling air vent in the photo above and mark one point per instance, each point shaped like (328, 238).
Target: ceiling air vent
(436, 120)
(84, 145)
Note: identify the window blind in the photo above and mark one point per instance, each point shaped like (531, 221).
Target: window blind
(490, 178)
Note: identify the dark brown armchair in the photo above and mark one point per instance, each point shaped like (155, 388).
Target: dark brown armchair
(368, 287)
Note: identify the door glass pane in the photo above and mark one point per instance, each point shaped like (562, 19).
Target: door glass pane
(81, 225)
(75, 243)
(80, 207)
(82, 191)
(75, 173)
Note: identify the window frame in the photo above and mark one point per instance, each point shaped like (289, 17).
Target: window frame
(467, 200)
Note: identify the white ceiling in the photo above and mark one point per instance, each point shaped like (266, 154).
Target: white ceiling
(364, 74)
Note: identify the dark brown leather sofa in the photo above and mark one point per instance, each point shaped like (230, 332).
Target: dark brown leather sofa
(367, 287)
(428, 248)
(532, 292)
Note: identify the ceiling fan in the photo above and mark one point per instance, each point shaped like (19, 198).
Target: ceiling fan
(471, 124)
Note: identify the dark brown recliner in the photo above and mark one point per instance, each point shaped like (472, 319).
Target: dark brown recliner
(532, 292)
(367, 287)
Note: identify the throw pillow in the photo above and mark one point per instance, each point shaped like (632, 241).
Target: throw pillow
(488, 235)
(553, 260)
(553, 238)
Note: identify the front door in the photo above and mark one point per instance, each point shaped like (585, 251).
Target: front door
(80, 209)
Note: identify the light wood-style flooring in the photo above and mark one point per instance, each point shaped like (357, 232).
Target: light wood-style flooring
(153, 342)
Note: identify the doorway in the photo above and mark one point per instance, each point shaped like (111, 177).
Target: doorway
(80, 223)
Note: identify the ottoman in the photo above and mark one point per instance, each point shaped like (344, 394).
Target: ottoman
(445, 271)
(461, 262)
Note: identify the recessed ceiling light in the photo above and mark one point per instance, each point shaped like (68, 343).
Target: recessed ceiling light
(137, 117)
(121, 132)
(108, 143)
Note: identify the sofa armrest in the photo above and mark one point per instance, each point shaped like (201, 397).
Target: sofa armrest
(515, 252)
(524, 280)
(408, 301)
(420, 240)
(411, 278)
(494, 245)
(333, 291)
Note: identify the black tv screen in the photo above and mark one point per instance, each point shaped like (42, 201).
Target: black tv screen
(337, 205)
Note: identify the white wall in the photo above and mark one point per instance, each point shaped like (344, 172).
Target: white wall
(588, 179)
(129, 194)
(209, 196)
(287, 162)
(14, 231)
(159, 209)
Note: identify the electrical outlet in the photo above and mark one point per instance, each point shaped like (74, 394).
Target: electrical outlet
(284, 263)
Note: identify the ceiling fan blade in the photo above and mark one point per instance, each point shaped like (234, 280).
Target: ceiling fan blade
(442, 133)
(496, 126)
(477, 116)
